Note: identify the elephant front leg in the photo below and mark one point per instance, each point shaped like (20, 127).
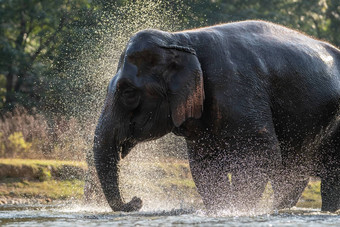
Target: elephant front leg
(212, 184)
(218, 193)
(247, 188)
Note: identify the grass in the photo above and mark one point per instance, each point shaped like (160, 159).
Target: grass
(52, 189)
(41, 169)
(36, 162)
(311, 197)
(171, 177)
(52, 179)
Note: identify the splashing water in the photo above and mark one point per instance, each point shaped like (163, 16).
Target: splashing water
(80, 216)
(141, 173)
(148, 171)
(144, 171)
(100, 54)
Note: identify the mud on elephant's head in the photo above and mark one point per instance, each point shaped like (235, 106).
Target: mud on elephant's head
(158, 85)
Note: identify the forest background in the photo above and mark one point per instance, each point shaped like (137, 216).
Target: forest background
(56, 58)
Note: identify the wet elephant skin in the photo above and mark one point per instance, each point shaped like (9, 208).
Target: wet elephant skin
(253, 99)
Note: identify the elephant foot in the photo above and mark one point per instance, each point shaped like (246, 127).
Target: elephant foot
(330, 192)
(134, 205)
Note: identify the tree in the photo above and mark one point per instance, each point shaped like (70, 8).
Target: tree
(88, 56)
(332, 32)
(318, 18)
(30, 32)
(47, 47)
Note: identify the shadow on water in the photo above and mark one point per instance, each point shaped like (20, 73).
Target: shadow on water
(76, 215)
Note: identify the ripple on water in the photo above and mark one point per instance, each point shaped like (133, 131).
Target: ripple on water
(77, 215)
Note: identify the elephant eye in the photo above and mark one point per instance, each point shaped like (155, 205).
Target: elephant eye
(131, 98)
(129, 93)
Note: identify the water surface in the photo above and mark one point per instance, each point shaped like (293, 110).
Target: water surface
(75, 215)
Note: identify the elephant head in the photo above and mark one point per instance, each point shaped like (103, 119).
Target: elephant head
(158, 86)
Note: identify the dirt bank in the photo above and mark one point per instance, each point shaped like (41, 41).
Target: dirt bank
(24, 181)
(41, 169)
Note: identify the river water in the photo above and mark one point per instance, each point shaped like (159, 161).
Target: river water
(76, 215)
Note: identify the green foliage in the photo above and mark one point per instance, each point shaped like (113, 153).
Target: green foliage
(58, 56)
(52, 189)
(44, 174)
(24, 134)
(2, 145)
(311, 197)
(30, 32)
(319, 18)
(54, 54)
(45, 163)
(2, 90)
(88, 58)
(17, 143)
(331, 31)
(171, 178)
(42, 170)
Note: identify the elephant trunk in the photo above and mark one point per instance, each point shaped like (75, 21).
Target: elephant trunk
(106, 162)
(107, 156)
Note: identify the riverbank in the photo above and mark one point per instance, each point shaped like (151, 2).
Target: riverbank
(166, 183)
(26, 181)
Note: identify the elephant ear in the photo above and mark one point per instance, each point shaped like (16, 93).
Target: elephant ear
(185, 84)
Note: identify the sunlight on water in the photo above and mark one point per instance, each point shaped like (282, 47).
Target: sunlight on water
(80, 208)
(83, 216)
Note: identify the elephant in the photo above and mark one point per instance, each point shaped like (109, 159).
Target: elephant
(256, 102)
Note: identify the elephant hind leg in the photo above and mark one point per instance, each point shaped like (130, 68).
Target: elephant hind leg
(330, 177)
(287, 191)
(330, 192)
(218, 193)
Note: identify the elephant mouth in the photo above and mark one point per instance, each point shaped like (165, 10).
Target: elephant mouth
(126, 147)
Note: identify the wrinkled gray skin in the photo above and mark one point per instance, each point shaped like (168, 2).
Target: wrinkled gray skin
(253, 99)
